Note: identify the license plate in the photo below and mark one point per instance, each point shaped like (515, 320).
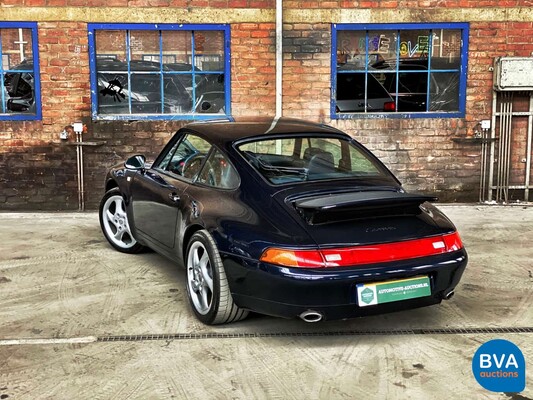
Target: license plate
(370, 294)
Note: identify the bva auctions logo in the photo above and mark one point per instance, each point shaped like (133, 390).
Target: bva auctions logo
(500, 366)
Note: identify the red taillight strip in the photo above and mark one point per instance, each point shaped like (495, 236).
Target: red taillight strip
(387, 252)
(366, 254)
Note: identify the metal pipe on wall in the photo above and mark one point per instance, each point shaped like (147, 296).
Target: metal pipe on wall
(504, 147)
(492, 147)
(528, 151)
(279, 59)
(79, 161)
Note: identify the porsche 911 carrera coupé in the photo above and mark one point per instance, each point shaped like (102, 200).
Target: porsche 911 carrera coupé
(286, 218)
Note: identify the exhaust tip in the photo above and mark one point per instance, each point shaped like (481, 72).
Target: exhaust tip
(311, 316)
(449, 295)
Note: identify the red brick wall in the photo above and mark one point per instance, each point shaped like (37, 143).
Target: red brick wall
(253, 69)
(380, 4)
(144, 3)
(39, 172)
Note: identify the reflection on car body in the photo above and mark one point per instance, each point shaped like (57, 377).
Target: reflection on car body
(290, 219)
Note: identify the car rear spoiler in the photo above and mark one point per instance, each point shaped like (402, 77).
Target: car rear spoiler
(359, 205)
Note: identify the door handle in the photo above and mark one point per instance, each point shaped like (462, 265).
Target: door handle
(174, 197)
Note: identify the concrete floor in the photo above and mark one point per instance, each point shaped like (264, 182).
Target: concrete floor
(77, 319)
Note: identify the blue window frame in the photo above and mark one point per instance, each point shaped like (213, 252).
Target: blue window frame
(399, 70)
(20, 87)
(159, 71)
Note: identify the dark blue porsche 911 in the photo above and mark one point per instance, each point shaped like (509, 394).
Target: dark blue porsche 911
(285, 218)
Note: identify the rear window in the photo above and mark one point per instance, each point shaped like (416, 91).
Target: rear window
(298, 159)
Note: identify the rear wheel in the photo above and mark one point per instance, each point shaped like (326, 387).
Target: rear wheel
(114, 223)
(207, 284)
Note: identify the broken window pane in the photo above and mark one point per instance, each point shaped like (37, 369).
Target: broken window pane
(18, 87)
(150, 72)
(391, 70)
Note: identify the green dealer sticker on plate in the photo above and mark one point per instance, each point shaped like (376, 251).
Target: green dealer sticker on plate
(384, 292)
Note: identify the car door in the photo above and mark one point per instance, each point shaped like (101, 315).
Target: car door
(158, 193)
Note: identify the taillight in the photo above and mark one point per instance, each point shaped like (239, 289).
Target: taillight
(389, 106)
(453, 242)
(293, 258)
(363, 255)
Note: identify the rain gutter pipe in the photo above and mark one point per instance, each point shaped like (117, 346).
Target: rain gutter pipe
(279, 59)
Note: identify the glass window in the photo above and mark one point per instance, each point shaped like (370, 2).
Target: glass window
(310, 158)
(186, 157)
(401, 70)
(142, 71)
(218, 172)
(19, 69)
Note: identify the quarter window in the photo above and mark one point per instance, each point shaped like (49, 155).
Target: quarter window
(20, 97)
(218, 172)
(160, 71)
(403, 70)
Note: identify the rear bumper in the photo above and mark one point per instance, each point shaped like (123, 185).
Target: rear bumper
(287, 292)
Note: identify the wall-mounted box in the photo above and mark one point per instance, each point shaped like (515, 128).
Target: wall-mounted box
(513, 73)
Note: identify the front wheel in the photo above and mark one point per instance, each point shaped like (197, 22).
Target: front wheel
(207, 284)
(115, 225)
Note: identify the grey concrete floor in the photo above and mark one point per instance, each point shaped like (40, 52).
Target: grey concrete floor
(65, 294)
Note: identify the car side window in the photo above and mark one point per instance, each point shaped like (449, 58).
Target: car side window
(218, 172)
(186, 157)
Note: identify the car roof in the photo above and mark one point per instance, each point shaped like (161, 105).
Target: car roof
(223, 132)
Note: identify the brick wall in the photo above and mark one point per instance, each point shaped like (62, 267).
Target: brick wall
(37, 171)
(253, 69)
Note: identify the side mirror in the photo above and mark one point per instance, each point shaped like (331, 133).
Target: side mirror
(135, 163)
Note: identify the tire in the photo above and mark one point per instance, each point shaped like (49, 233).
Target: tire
(207, 285)
(115, 225)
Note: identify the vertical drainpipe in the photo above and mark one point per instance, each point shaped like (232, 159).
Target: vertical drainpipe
(279, 70)
(279, 59)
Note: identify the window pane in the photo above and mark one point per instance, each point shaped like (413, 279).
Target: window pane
(447, 45)
(351, 50)
(145, 93)
(20, 91)
(113, 86)
(209, 50)
(382, 49)
(444, 94)
(210, 94)
(178, 45)
(414, 43)
(143, 46)
(177, 98)
(111, 45)
(17, 46)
